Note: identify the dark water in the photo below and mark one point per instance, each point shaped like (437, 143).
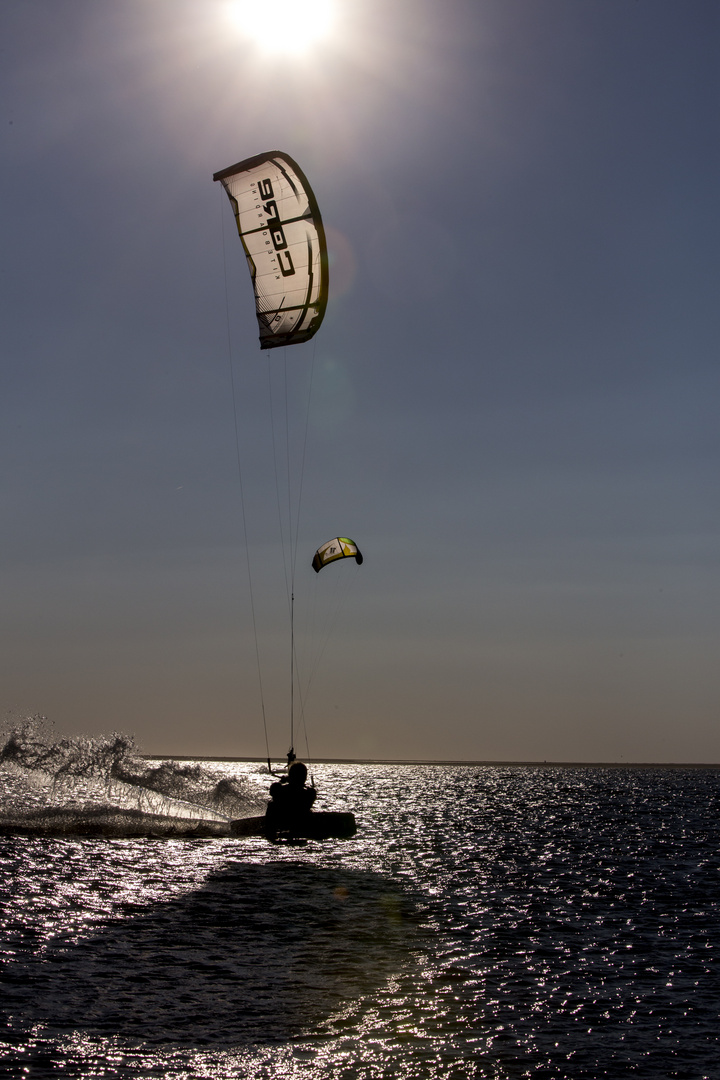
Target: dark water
(485, 922)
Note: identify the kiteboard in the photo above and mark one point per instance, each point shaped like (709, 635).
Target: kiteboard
(318, 825)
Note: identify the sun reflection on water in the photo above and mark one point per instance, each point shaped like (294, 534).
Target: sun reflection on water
(495, 923)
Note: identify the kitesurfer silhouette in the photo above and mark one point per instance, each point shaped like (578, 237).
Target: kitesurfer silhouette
(291, 800)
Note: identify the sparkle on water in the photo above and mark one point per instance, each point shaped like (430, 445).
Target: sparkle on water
(486, 922)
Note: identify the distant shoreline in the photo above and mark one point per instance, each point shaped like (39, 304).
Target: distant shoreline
(419, 761)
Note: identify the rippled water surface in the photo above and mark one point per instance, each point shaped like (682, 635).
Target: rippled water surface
(499, 922)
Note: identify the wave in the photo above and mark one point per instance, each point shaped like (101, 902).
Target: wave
(104, 786)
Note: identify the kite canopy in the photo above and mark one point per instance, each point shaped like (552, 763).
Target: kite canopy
(284, 240)
(339, 548)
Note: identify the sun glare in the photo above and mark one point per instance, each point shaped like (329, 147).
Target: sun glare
(284, 26)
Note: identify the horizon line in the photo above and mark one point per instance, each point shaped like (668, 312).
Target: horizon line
(453, 761)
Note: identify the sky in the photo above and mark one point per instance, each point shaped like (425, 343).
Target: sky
(511, 405)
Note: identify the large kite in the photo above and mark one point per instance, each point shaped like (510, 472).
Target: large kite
(284, 240)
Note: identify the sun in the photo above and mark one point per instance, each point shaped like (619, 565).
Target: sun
(284, 26)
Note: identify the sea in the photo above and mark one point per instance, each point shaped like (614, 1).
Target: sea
(487, 921)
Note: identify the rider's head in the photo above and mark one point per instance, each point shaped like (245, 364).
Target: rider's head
(297, 773)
